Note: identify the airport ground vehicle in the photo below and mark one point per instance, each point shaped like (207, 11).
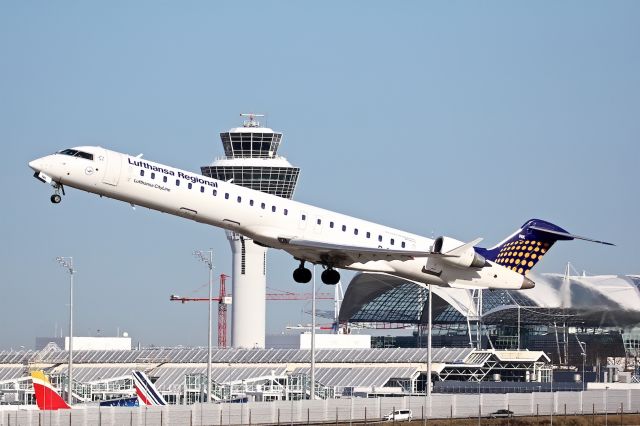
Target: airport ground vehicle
(399, 415)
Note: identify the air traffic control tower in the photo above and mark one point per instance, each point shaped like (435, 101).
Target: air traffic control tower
(251, 161)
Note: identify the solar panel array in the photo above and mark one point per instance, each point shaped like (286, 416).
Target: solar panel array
(239, 356)
(11, 373)
(358, 377)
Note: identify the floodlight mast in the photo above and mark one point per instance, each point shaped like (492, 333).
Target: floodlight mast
(67, 263)
(208, 260)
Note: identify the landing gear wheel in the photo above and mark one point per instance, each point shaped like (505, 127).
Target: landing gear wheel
(56, 198)
(302, 275)
(330, 276)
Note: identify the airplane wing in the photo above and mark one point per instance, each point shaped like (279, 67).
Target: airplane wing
(346, 254)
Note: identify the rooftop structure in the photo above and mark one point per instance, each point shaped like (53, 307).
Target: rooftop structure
(264, 374)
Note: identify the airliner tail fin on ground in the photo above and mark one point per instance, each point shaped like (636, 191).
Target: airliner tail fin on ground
(523, 249)
(146, 390)
(47, 397)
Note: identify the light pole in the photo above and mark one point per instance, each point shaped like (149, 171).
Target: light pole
(208, 260)
(583, 346)
(313, 336)
(67, 263)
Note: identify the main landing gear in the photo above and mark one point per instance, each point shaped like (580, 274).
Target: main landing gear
(56, 197)
(303, 275)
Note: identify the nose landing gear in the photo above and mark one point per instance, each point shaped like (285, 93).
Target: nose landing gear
(56, 198)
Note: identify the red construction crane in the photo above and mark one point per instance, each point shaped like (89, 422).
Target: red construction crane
(224, 299)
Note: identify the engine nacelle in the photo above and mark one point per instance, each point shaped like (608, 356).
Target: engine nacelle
(456, 255)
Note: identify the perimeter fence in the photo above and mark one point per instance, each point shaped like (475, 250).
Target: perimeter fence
(335, 410)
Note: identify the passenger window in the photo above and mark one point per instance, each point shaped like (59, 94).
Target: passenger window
(380, 238)
(344, 228)
(368, 234)
(226, 195)
(190, 185)
(239, 199)
(273, 209)
(177, 182)
(330, 224)
(319, 221)
(164, 179)
(202, 189)
(153, 175)
(215, 192)
(304, 217)
(392, 241)
(403, 244)
(141, 172)
(355, 231)
(250, 202)
(286, 212)
(263, 205)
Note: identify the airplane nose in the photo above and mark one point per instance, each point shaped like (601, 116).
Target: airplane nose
(527, 283)
(36, 165)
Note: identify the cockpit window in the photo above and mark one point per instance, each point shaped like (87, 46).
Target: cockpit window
(76, 153)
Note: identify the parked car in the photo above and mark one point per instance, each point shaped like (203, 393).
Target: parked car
(399, 415)
(501, 413)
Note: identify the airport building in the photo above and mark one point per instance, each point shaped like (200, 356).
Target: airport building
(251, 160)
(571, 319)
(267, 374)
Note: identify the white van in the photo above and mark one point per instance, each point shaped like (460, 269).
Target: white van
(399, 415)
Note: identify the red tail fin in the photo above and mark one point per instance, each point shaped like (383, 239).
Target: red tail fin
(46, 396)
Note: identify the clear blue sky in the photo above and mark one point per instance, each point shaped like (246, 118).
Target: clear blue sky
(456, 118)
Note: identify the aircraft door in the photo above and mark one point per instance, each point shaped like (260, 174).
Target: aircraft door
(113, 168)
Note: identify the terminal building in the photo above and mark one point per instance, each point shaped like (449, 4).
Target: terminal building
(571, 319)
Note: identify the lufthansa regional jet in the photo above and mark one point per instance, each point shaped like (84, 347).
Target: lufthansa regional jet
(308, 233)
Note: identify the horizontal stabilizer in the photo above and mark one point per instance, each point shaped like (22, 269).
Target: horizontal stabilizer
(568, 235)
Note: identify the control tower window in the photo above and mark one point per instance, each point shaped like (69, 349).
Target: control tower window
(141, 172)
(153, 175)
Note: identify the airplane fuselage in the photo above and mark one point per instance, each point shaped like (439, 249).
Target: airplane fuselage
(267, 219)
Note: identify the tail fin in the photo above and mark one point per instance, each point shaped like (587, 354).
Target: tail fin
(146, 390)
(523, 249)
(47, 397)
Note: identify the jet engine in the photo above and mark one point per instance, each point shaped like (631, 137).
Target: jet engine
(462, 256)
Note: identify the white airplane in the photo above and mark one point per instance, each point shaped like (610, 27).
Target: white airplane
(308, 233)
